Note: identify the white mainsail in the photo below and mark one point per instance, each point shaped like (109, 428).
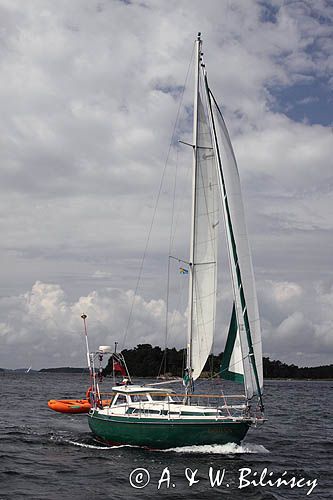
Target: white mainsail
(204, 271)
(248, 334)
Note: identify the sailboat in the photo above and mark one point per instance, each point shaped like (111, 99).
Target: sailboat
(153, 416)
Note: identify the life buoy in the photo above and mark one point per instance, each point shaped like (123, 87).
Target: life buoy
(89, 391)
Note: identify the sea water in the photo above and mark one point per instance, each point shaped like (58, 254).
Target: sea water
(47, 455)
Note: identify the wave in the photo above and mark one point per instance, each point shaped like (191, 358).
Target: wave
(84, 441)
(85, 445)
(220, 449)
(217, 449)
(95, 446)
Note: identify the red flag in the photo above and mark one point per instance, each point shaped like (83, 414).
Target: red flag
(118, 368)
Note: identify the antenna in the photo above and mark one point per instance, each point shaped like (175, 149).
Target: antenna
(84, 317)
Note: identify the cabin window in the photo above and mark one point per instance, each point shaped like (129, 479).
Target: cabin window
(120, 399)
(142, 398)
(159, 397)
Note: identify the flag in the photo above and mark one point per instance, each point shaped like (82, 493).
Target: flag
(186, 378)
(118, 368)
(182, 270)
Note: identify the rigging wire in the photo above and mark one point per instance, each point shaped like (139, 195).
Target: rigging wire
(164, 359)
(157, 201)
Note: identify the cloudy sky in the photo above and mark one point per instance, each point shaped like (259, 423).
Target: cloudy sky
(89, 94)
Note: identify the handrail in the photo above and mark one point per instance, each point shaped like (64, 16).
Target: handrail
(210, 395)
(172, 394)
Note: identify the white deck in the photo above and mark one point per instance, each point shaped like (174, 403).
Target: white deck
(141, 389)
(167, 411)
(159, 403)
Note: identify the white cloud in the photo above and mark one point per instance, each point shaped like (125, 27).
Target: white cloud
(43, 327)
(284, 292)
(297, 322)
(89, 93)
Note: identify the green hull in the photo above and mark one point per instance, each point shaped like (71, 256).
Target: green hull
(165, 434)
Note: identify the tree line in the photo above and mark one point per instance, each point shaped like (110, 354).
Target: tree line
(144, 360)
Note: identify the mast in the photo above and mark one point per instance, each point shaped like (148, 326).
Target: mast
(194, 187)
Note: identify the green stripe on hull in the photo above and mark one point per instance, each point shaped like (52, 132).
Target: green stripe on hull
(165, 434)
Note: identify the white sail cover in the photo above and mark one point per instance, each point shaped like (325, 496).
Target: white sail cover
(239, 246)
(204, 271)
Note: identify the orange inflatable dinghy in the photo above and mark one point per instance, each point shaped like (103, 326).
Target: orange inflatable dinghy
(69, 405)
(72, 405)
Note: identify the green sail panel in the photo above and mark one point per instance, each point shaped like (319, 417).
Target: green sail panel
(232, 360)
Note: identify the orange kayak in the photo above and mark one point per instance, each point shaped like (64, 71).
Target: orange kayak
(71, 405)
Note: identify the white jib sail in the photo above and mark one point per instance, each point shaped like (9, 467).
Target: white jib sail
(238, 228)
(204, 272)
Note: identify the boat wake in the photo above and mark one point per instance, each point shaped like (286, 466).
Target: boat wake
(85, 445)
(97, 446)
(221, 449)
(217, 449)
